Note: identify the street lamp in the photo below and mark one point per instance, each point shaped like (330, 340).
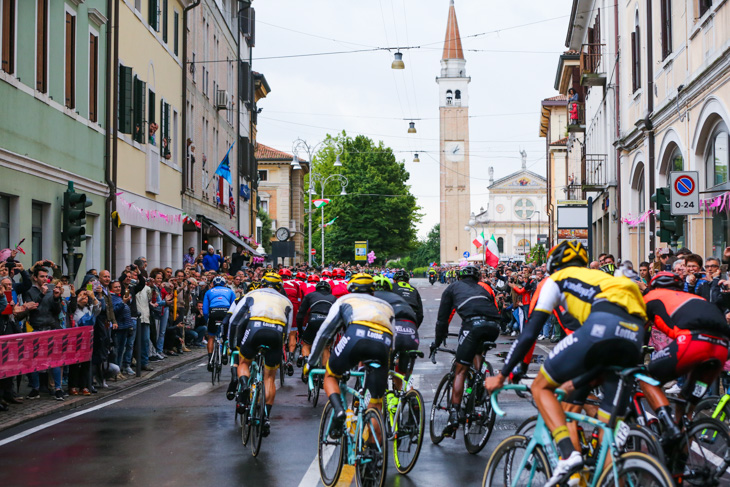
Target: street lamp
(302, 147)
(398, 61)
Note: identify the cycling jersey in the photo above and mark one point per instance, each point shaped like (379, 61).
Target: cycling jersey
(266, 305)
(470, 300)
(294, 293)
(674, 311)
(339, 287)
(401, 309)
(314, 309)
(218, 297)
(412, 297)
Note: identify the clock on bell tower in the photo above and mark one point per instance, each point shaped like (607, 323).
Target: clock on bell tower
(454, 145)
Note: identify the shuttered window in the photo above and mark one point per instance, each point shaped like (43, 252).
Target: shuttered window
(164, 20)
(8, 36)
(41, 56)
(244, 81)
(70, 61)
(138, 110)
(165, 129)
(666, 16)
(176, 33)
(704, 6)
(125, 99)
(151, 104)
(93, 76)
(152, 14)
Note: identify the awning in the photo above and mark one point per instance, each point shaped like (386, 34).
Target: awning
(230, 236)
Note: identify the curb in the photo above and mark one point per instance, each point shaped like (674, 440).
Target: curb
(103, 394)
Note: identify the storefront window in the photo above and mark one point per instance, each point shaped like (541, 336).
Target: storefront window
(716, 158)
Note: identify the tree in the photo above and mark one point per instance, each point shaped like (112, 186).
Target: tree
(537, 255)
(379, 206)
(266, 230)
(429, 250)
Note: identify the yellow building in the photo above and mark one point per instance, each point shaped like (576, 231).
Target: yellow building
(147, 151)
(553, 119)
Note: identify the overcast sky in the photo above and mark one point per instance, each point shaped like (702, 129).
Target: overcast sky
(513, 70)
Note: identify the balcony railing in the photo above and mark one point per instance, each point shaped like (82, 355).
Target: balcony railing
(573, 191)
(576, 116)
(595, 169)
(591, 70)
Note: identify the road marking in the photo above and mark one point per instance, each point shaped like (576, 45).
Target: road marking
(438, 299)
(544, 348)
(311, 478)
(702, 451)
(202, 365)
(199, 389)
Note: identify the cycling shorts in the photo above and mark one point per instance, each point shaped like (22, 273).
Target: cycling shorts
(360, 343)
(605, 339)
(474, 332)
(310, 332)
(263, 333)
(695, 353)
(215, 316)
(406, 339)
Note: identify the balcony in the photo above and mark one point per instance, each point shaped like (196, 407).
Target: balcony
(576, 117)
(590, 66)
(573, 191)
(595, 171)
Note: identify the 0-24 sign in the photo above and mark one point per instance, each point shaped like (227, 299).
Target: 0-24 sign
(685, 196)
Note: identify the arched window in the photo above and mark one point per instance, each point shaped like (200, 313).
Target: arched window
(500, 245)
(638, 207)
(457, 94)
(449, 97)
(673, 162)
(716, 156)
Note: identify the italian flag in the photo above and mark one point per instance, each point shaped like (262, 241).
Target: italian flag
(320, 203)
(329, 222)
(479, 241)
(491, 252)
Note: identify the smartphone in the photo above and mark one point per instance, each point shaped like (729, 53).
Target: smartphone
(50, 286)
(90, 286)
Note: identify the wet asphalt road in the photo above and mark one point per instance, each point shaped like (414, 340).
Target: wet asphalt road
(179, 431)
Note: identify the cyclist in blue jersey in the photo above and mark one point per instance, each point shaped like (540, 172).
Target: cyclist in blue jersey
(216, 303)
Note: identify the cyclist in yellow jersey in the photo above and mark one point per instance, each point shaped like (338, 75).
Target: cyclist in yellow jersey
(612, 316)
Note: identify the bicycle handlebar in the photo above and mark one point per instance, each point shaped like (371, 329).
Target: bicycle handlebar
(517, 388)
(352, 373)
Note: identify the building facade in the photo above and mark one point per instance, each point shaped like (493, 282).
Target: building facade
(147, 152)
(454, 145)
(553, 120)
(54, 123)
(281, 191)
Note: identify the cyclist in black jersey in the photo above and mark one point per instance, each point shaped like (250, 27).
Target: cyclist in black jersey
(313, 310)
(410, 294)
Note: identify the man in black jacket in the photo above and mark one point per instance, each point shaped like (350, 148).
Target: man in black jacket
(479, 315)
(410, 294)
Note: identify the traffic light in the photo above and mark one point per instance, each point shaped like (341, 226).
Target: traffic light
(671, 228)
(74, 216)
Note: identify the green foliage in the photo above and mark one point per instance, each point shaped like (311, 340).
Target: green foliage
(537, 255)
(388, 223)
(266, 231)
(420, 271)
(429, 250)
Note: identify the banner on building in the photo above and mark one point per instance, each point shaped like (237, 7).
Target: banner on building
(24, 353)
(361, 250)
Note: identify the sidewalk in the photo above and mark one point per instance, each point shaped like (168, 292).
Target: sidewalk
(46, 404)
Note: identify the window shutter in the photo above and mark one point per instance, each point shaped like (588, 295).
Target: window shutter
(125, 99)
(253, 166)
(638, 57)
(152, 13)
(151, 107)
(176, 33)
(93, 76)
(252, 27)
(41, 76)
(70, 61)
(244, 81)
(8, 53)
(164, 20)
(166, 128)
(633, 61)
(138, 109)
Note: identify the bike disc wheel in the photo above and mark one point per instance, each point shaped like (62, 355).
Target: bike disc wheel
(636, 469)
(503, 466)
(440, 410)
(257, 418)
(331, 451)
(371, 464)
(480, 420)
(409, 428)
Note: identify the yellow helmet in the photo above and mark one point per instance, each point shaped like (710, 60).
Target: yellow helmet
(567, 253)
(361, 283)
(271, 279)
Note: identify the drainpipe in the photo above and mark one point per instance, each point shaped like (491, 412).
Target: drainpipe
(617, 102)
(109, 203)
(650, 110)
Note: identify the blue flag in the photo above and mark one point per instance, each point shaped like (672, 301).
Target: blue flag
(224, 168)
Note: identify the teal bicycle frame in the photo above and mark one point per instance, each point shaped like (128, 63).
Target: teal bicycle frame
(255, 377)
(613, 431)
(353, 447)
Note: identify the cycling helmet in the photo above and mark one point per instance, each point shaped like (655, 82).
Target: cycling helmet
(348, 275)
(301, 276)
(219, 281)
(271, 279)
(469, 271)
(666, 280)
(327, 273)
(313, 278)
(361, 283)
(323, 285)
(608, 268)
(254, 285)
(338, 273)
(566, 253)
(401, 275)
(382, 283)
(285, 273)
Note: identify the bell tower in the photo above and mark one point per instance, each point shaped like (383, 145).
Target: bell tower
(455, 199)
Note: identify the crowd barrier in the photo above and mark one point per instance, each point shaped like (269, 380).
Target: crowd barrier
(24, 353)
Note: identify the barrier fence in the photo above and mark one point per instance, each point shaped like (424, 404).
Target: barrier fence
(24, 353)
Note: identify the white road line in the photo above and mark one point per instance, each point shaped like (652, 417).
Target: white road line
(311, 478)
(702, 451)
(203, 364)
(544, 348)
(199, 389)
(438, 299)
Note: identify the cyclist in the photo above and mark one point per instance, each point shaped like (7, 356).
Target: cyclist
(261, 317)
(216, 304)
(410, 294)
(479, 314)
(339, 284)
(327, 275)
(368, 324)
(406, 327)
(314, 310)
(301, 277)
(699, 349)
(612, 315)
(311, 284)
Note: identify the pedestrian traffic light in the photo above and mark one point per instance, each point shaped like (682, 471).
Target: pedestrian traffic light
(671, 227)
(74, 216)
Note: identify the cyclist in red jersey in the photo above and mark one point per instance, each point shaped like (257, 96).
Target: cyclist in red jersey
(311, 284)
(699, 350)
(339, 282)
(295, 295)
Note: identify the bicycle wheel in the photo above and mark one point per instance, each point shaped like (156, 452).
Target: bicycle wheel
(440, 409)
(331, 451)
(257, 417)
(246, 424)
(706, 409)
(642, 439)
(503, 466)
(480, 419)
(697, 456)
(315, 391)
(527, 427)
(371, 464)
(636, 469)
(213, 365)
(282, 370)
(409, 427)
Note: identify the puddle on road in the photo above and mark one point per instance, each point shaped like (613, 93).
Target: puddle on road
(536, 359)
